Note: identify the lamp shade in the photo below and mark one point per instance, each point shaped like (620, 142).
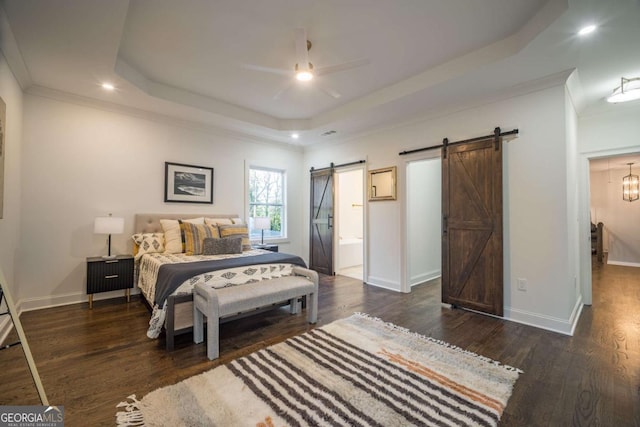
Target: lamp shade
(108, 225)
(262, 223)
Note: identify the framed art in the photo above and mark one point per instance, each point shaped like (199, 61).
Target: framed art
(188, 183)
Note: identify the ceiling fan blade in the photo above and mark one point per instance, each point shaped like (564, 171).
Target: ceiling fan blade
(332, 93)
(271, 70)
(302, 54)
(342, 67)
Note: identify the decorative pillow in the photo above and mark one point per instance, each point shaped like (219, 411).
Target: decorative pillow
(148, 243)
(236, 231)
(173, 238)
(228, 245)
(218, 221)
(194, 235)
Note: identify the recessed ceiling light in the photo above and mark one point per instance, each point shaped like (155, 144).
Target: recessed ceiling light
(587, 30)
(108, 86)
(295, 136)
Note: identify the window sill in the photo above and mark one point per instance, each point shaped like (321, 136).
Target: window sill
(271, 241)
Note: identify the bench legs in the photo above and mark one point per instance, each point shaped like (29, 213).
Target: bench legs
(213, 325)
(312, 308)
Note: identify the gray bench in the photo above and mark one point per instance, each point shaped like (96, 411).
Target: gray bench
(216, 304)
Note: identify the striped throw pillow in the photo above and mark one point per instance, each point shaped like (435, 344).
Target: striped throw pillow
(236, 230)
(194, 235)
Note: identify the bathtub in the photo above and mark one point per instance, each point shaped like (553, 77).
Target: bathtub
(349, 252)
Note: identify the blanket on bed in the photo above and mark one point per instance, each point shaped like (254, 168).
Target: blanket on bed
(171, 276)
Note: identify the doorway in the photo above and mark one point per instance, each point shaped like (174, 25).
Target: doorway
(617, 218)
(349, 230)
(424, 220)
(601, 202)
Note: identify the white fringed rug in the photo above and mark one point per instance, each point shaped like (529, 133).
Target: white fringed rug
(357, 371)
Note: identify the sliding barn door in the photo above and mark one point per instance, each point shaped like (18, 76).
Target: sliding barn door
(321, 224)
(472, 226)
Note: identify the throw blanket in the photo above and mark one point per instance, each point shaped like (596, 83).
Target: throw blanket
(171, 276)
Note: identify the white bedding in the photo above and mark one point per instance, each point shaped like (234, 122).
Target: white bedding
(149, 264)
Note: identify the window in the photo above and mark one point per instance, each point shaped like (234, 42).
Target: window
(267, 199)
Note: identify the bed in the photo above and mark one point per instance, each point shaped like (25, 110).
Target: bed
(166, 280)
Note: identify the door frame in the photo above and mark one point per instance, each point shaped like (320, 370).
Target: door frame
(584, 209)
(405, 285)
(336, 229)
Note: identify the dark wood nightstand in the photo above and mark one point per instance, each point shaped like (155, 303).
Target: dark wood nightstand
(272, 248)
(104, 275)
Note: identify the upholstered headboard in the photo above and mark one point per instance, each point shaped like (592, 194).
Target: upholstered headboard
(150, 223)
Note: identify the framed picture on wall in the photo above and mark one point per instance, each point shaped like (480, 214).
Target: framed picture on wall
(188, 183)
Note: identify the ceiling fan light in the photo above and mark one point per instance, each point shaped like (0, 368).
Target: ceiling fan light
(628, 90)
(304, 74)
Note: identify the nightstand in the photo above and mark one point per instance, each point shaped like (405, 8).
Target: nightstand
(104, 275)
(272, 248)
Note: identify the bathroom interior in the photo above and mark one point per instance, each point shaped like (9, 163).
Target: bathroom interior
(350, 223)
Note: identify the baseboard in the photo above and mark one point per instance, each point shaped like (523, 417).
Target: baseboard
(30, 304)
(382, 283)
(623, 263)
(424, 277)
(550, 323)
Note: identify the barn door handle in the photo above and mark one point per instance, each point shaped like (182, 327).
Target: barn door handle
(330, 221)
(445, 224)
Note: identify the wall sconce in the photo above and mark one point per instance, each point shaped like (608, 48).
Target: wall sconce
(630, 187)
(108, 225)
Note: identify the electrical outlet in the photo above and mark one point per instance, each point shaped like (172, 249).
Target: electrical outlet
(522, 285)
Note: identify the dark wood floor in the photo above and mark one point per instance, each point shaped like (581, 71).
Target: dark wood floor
(90, 360)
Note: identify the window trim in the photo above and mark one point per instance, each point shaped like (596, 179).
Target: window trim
(284, 238)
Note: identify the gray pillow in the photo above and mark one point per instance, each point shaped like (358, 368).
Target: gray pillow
(228, 245)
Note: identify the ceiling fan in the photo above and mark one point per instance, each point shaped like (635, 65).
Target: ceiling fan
(304, 70)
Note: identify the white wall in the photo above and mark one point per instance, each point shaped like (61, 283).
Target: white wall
(574, 290)
(536, 207)
(10, 223)
(81, 162)
(424, 213)
(600, 187)
(621, 219)
(350, 203)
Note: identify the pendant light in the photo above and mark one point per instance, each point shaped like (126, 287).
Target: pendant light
(630, 186)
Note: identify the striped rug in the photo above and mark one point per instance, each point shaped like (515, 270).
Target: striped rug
(358, 371)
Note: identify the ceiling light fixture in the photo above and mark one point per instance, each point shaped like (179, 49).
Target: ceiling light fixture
(628, 90)
(630, 187)
(295, 136)
(587, 30)
(108, 86)
(304, 74)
